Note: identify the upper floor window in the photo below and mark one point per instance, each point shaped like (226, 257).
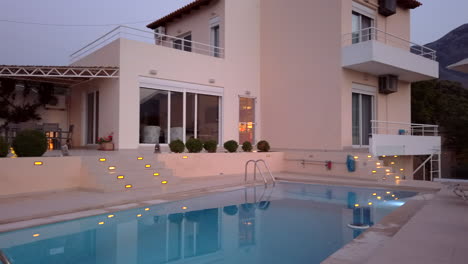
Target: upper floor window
(183, 42)
(361, 25)
(215, 37)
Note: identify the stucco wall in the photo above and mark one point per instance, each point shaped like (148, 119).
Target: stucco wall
(20, 175)
(300, 73)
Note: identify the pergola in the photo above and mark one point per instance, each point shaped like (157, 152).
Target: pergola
(461, 66)
(63, 75)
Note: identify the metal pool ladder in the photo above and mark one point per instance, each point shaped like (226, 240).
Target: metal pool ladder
(257, 168)
(3, 258)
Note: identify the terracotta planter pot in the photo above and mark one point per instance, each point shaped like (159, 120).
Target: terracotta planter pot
(108, 146)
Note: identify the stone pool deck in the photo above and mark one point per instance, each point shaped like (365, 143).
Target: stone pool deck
(431, 229)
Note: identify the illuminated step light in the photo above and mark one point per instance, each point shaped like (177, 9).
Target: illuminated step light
(402, 169)
(369, 156)
(120, 177)
(147, 209)
(369, 203)
(392, 163)
(36, 235)
(164, 182)
(102, 159)
(140, 158)
(374, 194)
(395, 156)
(38, 163)
(184, 207)
(156, 174)
(396, 198)
(387, 170)
(128, 186)
(112, 168)
(148, 166)
(356, 205)
(110, 216)
(384, 178)
(378, 163)
(185, 157)
(393, 195)
(138, 215)
(100, 223)
(397, 177)
(374, 171)
(384, 156)
(379, 198)
(356, 157)
(387, 192)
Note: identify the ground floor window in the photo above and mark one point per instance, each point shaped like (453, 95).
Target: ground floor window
(362, 114)
(246, 120)
(169, 115)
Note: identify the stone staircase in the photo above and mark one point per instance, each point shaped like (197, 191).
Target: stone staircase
(125, 171)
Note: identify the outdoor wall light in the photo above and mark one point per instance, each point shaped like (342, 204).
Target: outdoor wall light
(102, 159)
(378, 197)
(185, 157)
(397, 177)
(395, 156)
(356, 157)
(128, 186)
(374, 194)
(120, 177)
(147, 209)
(387, 192)
(38, 163)
(112, 168)
(374, 171)
(392, 163)
(356, 205)
(36, 235)
(110, 216)
(153, 72)
(100, 223)
(212, 81)
(156, 174)
(184, 207)
(393, 195)
(370, 203)
(384, 156)
(378, 163)
(164, 182)
(148, 166)
(369, 156)
(387, 170)
(402, 169)
(140, 158)
(138, 215)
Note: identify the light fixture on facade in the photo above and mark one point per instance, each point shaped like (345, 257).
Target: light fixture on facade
(378, 197)
(102, 159)
(38, 163)
(100, 223)
(36, 235)
(140, 158)
(184, 207)
(153, 72)
(148, 166)
(128, 186)
(138, 215)
(147, 209)
(374, 194)
(374, 171)
(211, 80)
(156, 174)
(369, 203)
(112, 168)
(164, 182)
(356, 205)
(185, 157)
(120, 177)
(110, 216)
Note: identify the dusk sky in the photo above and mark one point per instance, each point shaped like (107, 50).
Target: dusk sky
(51, 45)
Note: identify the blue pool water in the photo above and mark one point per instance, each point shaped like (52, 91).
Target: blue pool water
(291, 223)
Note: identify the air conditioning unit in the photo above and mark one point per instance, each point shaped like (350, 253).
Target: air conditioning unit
(159, 34)
(388, 84)
(387, 7)
(59, 104)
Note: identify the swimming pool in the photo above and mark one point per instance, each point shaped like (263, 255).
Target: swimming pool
(290, 223)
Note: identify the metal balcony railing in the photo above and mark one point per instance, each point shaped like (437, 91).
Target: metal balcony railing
(398, 128)
(373, 33)
(148, 37)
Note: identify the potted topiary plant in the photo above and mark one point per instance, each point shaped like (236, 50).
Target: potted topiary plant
(177, 146)
(30, 143)
(247, 146)
(4, 148)
(105, 143)
(211, 146)
(231, 146)
(263, 146)
(194, 145)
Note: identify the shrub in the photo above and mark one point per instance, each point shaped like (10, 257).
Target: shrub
(263, 146)
(247, 146)
(211, 146)
(231, 146)
(177, 146)
(4, 148)
(30, 143)
(194, 145)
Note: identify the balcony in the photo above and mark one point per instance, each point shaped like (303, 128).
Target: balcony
(395, 138)
(148, 37)
(379, 53)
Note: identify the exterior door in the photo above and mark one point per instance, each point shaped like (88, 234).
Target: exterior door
(362, 114)
(92, 117)
(246, 120)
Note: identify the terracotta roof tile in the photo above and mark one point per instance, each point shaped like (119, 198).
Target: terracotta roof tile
(178, 13)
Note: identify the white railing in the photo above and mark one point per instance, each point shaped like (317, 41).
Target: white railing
(373, 33)
(398, 128)
(148, 37)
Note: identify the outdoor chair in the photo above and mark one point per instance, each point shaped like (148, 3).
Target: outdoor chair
(461, 191)
(67, 136)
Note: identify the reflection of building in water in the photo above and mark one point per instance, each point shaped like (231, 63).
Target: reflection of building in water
(247, 225)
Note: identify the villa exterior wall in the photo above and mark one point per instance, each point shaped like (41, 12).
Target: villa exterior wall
(198, 23)
(300, 73)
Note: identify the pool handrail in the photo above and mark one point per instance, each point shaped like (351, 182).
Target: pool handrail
(255, 162)
(3, 258)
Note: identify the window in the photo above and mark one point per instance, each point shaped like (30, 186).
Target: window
(246, 120)
(92, 117)
(183, 42)
(215, 40)
(359, 25)
(169, 115)
(362, 114)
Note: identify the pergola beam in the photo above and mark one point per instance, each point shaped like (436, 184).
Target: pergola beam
(58, 71)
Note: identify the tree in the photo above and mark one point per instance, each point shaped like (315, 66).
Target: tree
(20, 103)
(444, 103)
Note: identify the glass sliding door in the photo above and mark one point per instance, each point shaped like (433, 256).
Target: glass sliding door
(362, 114)
(169, 115)
(92, 117)
(246, 120)
(359, 25)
